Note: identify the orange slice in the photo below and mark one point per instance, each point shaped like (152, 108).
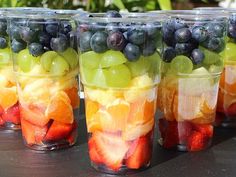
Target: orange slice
(60, 109)
(8, 97)
(74, 96)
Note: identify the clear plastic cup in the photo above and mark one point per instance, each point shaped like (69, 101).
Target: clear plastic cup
(192, 64)
(120, 72)
(46, 68)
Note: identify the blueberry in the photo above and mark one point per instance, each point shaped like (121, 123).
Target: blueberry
(15, 32)
(65, 27)
(27, 34)
(36, 49)
(232, 31)
(36, 25)
(3, 43)
(17, 46)
(183, 35)
(95, 26)
(44, 38)
(84, 41)
(183, 48)
(168, 35)
(136, 36)
(153, 29)
(3, 27)
(215, 29)
(215, 44)
(199, 33)
(232, 19)
(112, 14)
(168, 54)
(72, 39)
(116, 41)
(98, 42)
(52, 28)
(197, 56)
(132, 52)
(112, 27)
(178, 24)
(59, 44)
(149, 48)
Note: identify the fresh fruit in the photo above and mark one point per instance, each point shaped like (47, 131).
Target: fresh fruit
(12, 114)
(132, 52)
(4, 56)
(59, 66)
(181, 64)
(231, 110)
(139, 153)
(60, 109)
(205, 129)
(182, 35)
(71, 57)
(17, 46)
(99, 77)
(58, 131)
(3, 43)
(116, 41)
(98, 42)
(183, 48)
(59, 44)
(185, 129)
(210, 57)
(84, 41)
(171, 135)
(112, 58)
(2, 122)
(8, 97)
(93, 154)
(26, 61)
(136, 36)
(91, 108)
(47, 58)
(168, 54)
(112, 148)
(90, 60)
(74, 96)
(36, 49)
(197, 56)
(196, 141)
(199, 33)
(230, 51)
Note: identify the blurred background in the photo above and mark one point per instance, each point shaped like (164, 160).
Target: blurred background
(124, 5)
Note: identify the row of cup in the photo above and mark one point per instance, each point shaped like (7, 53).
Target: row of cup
(131, 66)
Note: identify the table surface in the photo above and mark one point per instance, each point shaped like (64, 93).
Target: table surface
(18, 161)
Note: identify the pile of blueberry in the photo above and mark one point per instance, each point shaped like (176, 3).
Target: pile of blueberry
(232, 27)
(133, 39)
(41, 35)
(3, 33)
(181, 39)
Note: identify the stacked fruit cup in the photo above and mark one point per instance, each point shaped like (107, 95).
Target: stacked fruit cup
(120, 71)
(192, 65)
(46, 68)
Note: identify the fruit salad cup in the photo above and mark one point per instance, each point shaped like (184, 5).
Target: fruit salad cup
(120, 71)
(192, 65)
(46, 68)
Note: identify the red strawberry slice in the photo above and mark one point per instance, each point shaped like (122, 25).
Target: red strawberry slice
(58, 131)
(112, 148)
(139, 153)
(205, 129)
(2, 122)
(93, 154)
(196, 141)
(184, 131)
(231, 110)
(72, 137)
(12, 114)
(171, 135)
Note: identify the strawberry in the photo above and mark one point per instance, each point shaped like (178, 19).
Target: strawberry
(196, 141)
(231, 110)
(72, 137)
(112, 148)
(205, 129)
(1, 110)
(171, 135)
(184, 131)
(12, 114)
(139, 153)
(93, 154)
(162, 124)
(2, 122)
(58, 131)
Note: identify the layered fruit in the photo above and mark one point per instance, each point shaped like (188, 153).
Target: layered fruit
(46, 68)
(226, 107)
(119, 65)
(188, 90)
(9, 110)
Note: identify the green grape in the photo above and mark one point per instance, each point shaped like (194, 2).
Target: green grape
(181, 64)
(26, 61)
(90, 59)
(210, 57)
(230, 52)
(100, 77)
(201, 71)
(46, 60)
(215, 69)
(87, 75)
(155, 61)
(112, 58)
(118, 76)
(59, 66)
(71, 57)
(4, 56)
(140, 67)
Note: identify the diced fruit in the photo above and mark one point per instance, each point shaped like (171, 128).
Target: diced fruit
(228, 79)
(196, 141)
(171, 136)
(91, 109)
(47, 58)
(210, 56)
(60, 109)
(112, 58)
(155, 61)
(58, 131)
(4, 56)
(8, 97)
(93, 154)
(205, 129)
(71, 57)
(12, 114)
(100, 77)
(185, 129)
(59, 66)
(26, 61)
(74, 96)
(90, 60)
(2, 122)
(139, 153)
(118, 76)
(112, 148)
(231, 110)
(31, 133)
(181, 64)
(34, 114)
(230, 52)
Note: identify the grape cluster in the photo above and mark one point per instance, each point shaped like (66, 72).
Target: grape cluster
(40, 35)
(133, 39)
(3, 33)
(182, 39)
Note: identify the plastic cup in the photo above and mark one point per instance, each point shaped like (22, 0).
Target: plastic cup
(46, 68)
(120, 72)
(192, 64)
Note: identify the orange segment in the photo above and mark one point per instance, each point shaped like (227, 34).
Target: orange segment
(60, 109)
(8, 97)
(74, 96)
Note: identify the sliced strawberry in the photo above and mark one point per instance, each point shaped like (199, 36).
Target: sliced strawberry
(2, 122)
(171, 135)
(140, 153)
(162, 124)
(184, 131)
(12, 114)
(112, 148)
(231, 110)
(58, 131)
(32, 133)
(196, 141)
(72, 137)
(93, 154)
(205, 129)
